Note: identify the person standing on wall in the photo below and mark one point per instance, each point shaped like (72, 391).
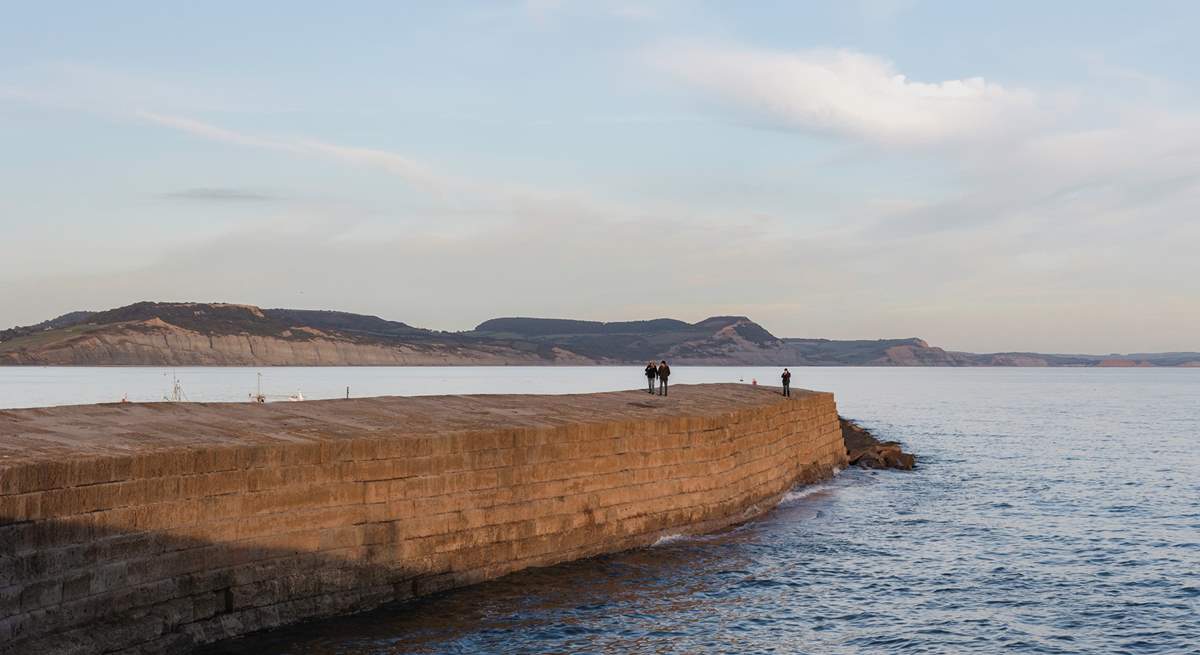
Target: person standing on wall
(664, 372)
(651, 373)
(787, 382)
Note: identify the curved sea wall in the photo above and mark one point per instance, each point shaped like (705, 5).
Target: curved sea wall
(148, 528)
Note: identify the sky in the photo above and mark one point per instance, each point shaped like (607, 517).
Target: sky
(987, 176)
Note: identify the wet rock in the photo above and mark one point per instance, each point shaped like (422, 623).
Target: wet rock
(865, 451)
(867, 459)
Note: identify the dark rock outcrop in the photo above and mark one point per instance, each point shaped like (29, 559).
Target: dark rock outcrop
(865, 451)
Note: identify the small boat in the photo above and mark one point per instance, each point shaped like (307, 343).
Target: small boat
(260, 397)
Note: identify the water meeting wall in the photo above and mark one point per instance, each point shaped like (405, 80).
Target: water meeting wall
(148, 528)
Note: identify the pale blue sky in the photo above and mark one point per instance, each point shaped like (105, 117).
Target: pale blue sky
(1031, 182)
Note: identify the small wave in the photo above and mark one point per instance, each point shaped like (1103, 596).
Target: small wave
(669, 539)
(797, 494)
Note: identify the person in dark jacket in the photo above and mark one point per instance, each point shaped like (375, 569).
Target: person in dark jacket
(787, 382)
(651, 373)
(664, 372)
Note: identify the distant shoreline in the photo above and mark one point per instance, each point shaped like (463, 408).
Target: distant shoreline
(219, 334)
(10, 365)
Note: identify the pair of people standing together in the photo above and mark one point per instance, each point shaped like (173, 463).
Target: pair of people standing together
(661, 373)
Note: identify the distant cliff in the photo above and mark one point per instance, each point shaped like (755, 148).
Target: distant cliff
(183, 334)
(717, 340)
(155, 334)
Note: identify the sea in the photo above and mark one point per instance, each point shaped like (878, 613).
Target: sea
(1053, 510)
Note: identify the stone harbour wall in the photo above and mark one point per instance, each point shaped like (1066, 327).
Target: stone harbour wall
(151, 528)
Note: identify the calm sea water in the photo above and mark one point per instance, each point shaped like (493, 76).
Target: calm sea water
(46, 386)
(1054, 511)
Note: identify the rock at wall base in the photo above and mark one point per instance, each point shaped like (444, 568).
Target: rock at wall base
(884, 456)
(865, 451)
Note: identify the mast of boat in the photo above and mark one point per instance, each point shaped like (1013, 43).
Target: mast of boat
(259, 397)
(177, 394)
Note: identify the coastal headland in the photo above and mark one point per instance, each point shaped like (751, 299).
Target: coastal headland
(222, 334)
(151, 528)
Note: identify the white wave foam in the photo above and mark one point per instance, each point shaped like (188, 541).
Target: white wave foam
(797, 494)
(669, 539)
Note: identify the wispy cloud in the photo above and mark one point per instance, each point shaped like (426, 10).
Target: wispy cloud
(405, 167)
(220, 194)
(79, 86)
(846, 93)
(882, 10)
(627, 10)
(488, 197)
